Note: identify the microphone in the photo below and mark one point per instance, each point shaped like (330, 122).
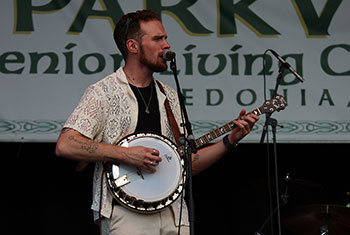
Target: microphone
(300, 78)
(168, 54)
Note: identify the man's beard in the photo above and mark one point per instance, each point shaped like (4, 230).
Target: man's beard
(154, 67)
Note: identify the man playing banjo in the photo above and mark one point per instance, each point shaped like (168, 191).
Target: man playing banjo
(131, 101)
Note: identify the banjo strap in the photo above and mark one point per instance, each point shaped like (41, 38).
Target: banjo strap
(172, 120)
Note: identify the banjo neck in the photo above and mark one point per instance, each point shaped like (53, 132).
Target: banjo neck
(212, 135)
(276, 104)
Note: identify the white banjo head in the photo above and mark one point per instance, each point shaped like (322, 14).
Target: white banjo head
(143, 191)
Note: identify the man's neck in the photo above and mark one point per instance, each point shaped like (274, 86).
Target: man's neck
(138, 76)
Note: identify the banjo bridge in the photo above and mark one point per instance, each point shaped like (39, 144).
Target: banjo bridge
(139, 173)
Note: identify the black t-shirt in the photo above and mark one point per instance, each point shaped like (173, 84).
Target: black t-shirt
(147, 122)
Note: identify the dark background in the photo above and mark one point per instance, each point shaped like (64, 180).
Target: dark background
(47, 196)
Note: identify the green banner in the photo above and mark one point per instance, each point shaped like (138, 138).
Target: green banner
(53, 49)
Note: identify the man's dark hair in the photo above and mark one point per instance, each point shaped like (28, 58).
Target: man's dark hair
(129, 27)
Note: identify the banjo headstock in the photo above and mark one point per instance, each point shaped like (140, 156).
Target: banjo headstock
(277, 103)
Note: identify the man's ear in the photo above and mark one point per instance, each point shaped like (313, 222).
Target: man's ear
(132, 45)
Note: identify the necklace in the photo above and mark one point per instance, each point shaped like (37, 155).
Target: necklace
(143, 99)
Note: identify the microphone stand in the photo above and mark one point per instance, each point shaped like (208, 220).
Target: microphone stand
(274, 123)
(190, 147)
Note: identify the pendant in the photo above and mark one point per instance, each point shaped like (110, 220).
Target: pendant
(147, 111)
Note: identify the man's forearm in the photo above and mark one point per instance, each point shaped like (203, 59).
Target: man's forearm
(73, 145)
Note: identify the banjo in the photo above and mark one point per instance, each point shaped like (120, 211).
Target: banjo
(145, 192)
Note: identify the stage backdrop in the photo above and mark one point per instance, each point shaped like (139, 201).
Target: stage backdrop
(52, 50)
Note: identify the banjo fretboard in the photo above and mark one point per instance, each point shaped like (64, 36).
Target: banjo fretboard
(204, 139)
(276, 104)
